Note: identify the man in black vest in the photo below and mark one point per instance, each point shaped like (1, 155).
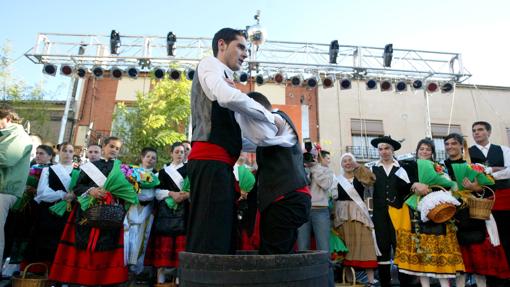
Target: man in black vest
(391, 186)
(216, 144)
(498, 159)
(283, 195)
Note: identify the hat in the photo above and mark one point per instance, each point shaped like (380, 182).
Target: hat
(387, 140)
(308, 157)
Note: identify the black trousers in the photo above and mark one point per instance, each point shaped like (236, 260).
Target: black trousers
(212, 217)
(279, 223)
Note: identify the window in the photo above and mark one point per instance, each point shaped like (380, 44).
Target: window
(439, 132)
(364, 131)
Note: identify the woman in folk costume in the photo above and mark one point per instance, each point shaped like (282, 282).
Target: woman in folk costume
(169, 227)
(425, 248)
(139, 218)
(352, 220)
(479, 240)
(90, 253)
(54, 186)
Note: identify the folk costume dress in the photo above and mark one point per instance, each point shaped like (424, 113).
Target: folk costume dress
(354, 225)
(53, 185)
(425, 248)
(479, 242)
(165, 244)
(139, 218)
(89, 255)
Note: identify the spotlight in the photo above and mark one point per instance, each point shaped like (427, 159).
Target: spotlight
(170, 43)
(159, 73)
(243, 77)
(447, 87)
(432, 87)
(50, 69)
(116, 73)
(388, 55)
(174, 74)
(385, 86)
(261, 79)
(296, 80)
(312, 82)
(333, 51)
(133, 72)
(345, 84)
(279, 77)
(328, 82)
(98, 72)
(417, 84)
(190, 73)
(114, 42)
(401, 86)
(81, 72)
(371, 84)
(66, 70)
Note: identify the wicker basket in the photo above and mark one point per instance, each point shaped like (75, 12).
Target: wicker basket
(441, 212)
(105, 216)
(480, 208)
(345, 283)
(31, 280)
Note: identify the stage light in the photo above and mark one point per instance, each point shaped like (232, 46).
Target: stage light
(312, 82)
(81, 72)
(345, 84)
(243, 77)
(432, 87)
(334, 47)
(279, 78)
(66, 70)
(296, 80)
(417, 84)
(174, 74)
(328, 81)
(159, 73)
(190, 73)
(388, 55)
(133, 72)
(385, 86)
(114, 42)
(50, 69)
(447, 87)
(371, 84)
(170, 43)
(98, 72)
(401, 86)
(116, 73)
(261, 79)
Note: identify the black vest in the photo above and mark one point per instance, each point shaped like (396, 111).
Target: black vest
(280, 170)
(494, 158)
(389, 190)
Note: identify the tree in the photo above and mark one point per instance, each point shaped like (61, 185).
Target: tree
(156, 119)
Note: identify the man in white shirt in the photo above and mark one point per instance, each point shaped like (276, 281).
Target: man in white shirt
(497, 158)
(216, 144)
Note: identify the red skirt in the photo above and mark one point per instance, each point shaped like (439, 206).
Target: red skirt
(86, 267)
(163, 250)
(251, 242)
(485, 259)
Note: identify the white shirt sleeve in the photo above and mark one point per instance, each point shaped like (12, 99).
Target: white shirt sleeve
(211, 74)
(45, 192)
(262, 133)
(161, 194)
(505, 173)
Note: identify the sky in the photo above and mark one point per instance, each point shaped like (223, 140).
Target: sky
(476, 29)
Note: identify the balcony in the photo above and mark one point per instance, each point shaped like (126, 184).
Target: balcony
(363, 153)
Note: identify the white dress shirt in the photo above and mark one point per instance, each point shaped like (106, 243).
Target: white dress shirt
(388, 169)
(211, 74)
(502, 174)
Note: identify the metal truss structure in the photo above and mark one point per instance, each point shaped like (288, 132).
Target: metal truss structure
(148, 52)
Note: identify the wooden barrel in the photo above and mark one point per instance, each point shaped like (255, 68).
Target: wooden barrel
(247, 268)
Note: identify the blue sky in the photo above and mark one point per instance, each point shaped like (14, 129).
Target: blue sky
(477, 29)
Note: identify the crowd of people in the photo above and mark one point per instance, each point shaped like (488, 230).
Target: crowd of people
(102, 222)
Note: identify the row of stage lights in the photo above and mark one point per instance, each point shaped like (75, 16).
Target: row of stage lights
(279, 78)
(115, 72)
(345, 83)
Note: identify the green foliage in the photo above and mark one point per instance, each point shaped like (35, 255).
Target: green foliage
(157, 119)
